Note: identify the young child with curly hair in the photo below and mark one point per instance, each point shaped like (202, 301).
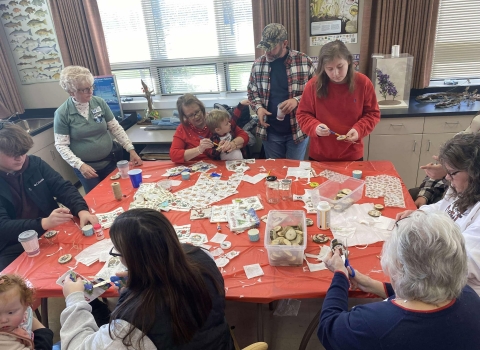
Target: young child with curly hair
(19, 330)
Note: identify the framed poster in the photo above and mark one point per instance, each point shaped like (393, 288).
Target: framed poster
(333, 20)
(106, 88)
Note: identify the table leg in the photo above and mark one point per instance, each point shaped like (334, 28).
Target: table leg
(44, 311)
(309, 331)
(259, 323)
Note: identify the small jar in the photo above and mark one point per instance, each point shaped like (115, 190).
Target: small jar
(272, 189)
(97, 228)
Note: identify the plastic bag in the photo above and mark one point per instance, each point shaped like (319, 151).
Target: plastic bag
(287, 307)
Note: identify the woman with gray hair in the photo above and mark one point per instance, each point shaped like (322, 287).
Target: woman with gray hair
(428, 305)
(81, 126)
(460, 157)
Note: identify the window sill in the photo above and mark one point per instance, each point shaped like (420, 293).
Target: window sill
(170, 102)
(461, 82)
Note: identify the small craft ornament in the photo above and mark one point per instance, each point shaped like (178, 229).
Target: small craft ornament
(65, 258)
(341, 137)
(115, 177)
(374, 213)
(378, 207)
(320, 238)
(50, 234)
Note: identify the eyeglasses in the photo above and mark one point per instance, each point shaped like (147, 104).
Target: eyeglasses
(452, 174)
(197, 113)
(112, 253)
(4, 123)
(87, 90)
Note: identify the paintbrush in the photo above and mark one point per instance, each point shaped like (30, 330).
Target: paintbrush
(331, 131)
(201, 137)
(62, 206)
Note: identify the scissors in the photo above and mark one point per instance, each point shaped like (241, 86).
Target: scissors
(347, 262)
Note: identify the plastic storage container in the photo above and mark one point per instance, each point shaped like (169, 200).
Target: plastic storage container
(329, 190)
(286, 255)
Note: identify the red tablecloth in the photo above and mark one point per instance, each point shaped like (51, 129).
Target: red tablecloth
(277, 283)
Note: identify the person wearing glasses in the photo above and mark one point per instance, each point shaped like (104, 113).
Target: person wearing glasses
(428, 304)
(460, 157)
(81, 127)
(29, 194)
(191, 140)
(174, 296)
(433, 187)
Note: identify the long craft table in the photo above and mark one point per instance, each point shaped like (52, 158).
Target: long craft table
(277, 283)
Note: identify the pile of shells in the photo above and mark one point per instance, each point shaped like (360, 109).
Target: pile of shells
(286, 235)
(289, 236)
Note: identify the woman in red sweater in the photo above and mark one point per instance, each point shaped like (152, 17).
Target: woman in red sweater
(191, 140)
(338, 99)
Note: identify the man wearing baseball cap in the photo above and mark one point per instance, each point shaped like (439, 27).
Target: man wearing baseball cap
(275, 88)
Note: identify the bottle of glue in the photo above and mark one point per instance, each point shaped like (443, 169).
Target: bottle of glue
(323, 215)
(97, 228)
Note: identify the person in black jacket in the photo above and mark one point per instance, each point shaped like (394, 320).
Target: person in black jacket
(29, 192)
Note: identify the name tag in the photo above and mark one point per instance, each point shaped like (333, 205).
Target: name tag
(97, 114)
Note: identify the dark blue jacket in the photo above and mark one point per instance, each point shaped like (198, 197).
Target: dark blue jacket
(41, 183)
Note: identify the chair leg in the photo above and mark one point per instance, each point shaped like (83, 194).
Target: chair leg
(259, 322)
(44, 312)
(39, 316)
(309, 331)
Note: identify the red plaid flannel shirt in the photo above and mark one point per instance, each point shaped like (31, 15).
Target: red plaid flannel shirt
(299, 70)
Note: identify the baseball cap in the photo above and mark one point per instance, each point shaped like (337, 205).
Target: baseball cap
(272, 34)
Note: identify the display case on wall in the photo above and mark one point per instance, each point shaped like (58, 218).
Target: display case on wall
(392, 78)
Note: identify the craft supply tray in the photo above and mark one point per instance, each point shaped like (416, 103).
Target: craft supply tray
(329, 190)
(285, 255)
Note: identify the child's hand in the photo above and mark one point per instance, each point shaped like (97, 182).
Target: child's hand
(70, 287)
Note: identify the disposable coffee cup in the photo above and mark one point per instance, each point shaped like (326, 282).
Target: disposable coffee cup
(280, 115)
(29, 240)
(135, 177)
(123, 168)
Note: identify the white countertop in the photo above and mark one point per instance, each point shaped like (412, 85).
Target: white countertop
(138, 134)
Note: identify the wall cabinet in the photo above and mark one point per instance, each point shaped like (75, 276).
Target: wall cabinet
(44, 147)
(411, 142)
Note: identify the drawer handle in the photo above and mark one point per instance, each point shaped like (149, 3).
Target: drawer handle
(414, 145)
(453, 123)
(396, 124)
(53, 154)
(428, 149)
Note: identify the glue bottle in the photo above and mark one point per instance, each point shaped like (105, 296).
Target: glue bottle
(323, 215)
(97, 228)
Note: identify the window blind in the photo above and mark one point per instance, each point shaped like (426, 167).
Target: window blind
(186, 45)
(457, 42)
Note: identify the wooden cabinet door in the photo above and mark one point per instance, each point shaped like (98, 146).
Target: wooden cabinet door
(402, 150)
(431, 144)
(50, 156)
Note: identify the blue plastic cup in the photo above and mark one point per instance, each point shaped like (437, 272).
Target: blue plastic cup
(135, 177)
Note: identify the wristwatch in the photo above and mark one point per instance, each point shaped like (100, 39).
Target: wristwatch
(297, 98)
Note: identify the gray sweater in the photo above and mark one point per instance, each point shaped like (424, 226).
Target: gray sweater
(79, 330)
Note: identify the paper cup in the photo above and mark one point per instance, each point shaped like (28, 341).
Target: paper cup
(280, 115)
(357, 174)
(29, 240)
(87, 230)
(135, 177)
(123, 168)
(254, 235)
(185, 175)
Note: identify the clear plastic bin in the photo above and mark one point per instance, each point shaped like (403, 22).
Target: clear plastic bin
(286, 255)
(329, 190)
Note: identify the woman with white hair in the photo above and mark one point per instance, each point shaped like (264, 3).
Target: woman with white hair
(81, 128)
(428, 305)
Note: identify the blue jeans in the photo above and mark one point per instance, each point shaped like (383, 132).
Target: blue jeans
(89, 184)
(282, 146)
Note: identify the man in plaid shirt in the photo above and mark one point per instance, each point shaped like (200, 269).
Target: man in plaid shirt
(277, 79)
